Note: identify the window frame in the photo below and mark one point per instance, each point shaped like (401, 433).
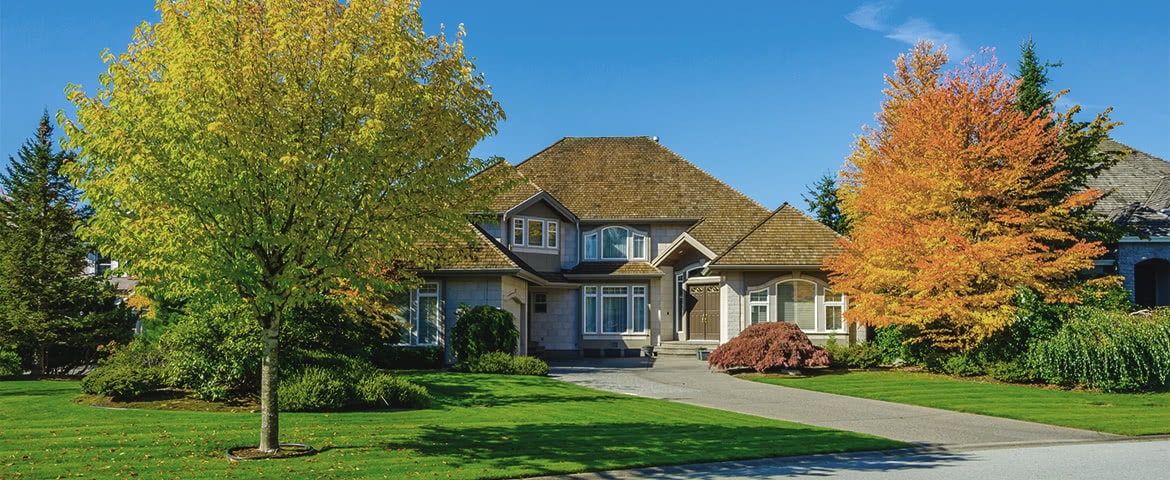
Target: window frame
(522, 228)
(637, 301)
(752, 303)
(595, 240)
(820, 304)
(414, 311)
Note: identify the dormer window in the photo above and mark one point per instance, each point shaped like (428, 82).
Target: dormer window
(535, 232)
(615, 243)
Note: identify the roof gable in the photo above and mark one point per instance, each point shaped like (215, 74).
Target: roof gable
(1138, 178)
(786, 237)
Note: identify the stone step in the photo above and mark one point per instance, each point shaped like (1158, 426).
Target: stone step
(683, 349)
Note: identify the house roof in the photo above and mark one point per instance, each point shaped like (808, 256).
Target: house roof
(484, 253)
(1137, 190)
(614, 268)
(786, 237)
(635, 178)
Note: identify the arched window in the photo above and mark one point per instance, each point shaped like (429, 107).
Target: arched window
(811, 305)
(615, 243)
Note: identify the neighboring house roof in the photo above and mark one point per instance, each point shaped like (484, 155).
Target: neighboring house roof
(787, 237)
(1137, 190)
(636, 178)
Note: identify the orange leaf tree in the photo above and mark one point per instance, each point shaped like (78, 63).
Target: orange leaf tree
(953, 204)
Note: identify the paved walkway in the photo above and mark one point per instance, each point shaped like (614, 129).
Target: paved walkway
(689, 381)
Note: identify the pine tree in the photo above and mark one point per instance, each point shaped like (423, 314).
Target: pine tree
(45, 301)
(825, 206)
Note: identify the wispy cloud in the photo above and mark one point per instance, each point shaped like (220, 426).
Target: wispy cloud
(871, 16)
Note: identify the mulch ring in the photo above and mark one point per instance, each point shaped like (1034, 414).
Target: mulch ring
(286, 450)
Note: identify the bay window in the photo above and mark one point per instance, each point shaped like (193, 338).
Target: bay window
(812, 306)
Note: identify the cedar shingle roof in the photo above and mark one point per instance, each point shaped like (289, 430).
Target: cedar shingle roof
(485, 253)
(614, 268)
(636, 178)
(787, 237)
(1138, 190)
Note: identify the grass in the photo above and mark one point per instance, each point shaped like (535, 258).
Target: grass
(1119, 413)
(481, 426)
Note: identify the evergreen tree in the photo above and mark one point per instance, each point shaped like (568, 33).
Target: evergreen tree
(825, 206)
(45, 301)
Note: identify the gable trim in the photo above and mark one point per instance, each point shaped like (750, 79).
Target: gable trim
(547, 197)
(682, 238)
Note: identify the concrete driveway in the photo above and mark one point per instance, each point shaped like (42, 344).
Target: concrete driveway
(689, 381)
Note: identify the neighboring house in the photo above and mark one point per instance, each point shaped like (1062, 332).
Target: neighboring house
(610, 244)
(1138, 197)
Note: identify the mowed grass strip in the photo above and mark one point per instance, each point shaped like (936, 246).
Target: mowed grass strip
(1120, 413)
(481, 426)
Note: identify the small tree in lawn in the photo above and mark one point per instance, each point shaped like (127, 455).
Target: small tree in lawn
(768, 346)
(955, 202)
(278, 148)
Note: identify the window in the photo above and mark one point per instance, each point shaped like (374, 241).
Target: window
(796, 302)
(812, 306)
(758, 304)
(614, 309)
(551, 240)
(539, 303)
(616, 243)
(423, 311)
(535, 232)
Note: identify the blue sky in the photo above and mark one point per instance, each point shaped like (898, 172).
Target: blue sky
(765, 95)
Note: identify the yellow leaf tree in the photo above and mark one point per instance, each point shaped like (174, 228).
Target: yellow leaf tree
(955, 202)
(279, 147)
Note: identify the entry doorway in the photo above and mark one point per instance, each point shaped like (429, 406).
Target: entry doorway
(1151, 283)
(703, 312)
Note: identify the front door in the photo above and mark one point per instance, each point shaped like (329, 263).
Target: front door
(703, 312)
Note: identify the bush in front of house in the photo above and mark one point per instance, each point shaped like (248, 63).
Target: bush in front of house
(504, 363)
(858, 355)
(410, 358)
(962, 365)
(128, 371)
(315, 389)
(10, 363)
(769, 346)
(384, 390)
(1107, 350)
(1011, 371)
(483, 329)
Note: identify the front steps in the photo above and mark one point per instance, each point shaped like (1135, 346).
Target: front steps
(685, 348)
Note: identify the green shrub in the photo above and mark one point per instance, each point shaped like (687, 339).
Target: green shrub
(383, 390)
(890, 343)
(483, 329)
(1107, 350)
(491, 362)
(410, 358)
(315, 389)
(1014, 371)
(962, 365)
(214, 350)
(529, 366)
(10, 364)
(121, 381)
(768, 346)
(860, 355)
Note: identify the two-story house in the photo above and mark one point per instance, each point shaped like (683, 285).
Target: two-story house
(610, 244)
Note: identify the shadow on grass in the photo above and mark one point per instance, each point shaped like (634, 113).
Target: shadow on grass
(829, 465)
(537, 449)
(37, 388)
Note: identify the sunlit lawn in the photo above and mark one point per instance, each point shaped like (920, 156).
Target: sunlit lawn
(1120, 413)
(481, 426)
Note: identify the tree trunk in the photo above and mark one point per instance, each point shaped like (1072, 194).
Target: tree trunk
(269, 384)
(38, 363)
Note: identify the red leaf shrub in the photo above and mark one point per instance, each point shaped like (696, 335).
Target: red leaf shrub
(769, 345)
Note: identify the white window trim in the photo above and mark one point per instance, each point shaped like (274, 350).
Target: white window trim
(600, 295)
(523, 229)
(759, 303)
(821, 319)
(599, 239)
(415, 295)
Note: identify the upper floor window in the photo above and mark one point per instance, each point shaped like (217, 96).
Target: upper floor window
(535, 232)
(615, 243)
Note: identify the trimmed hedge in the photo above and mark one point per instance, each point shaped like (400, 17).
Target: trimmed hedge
(315, 389)
(384, 390)
(122, 381)
(506, 364)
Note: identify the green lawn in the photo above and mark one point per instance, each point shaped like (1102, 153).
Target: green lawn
(1120, 413)
(481, 426)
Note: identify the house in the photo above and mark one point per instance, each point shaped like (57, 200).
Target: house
(1138, 198)
(608, 244)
